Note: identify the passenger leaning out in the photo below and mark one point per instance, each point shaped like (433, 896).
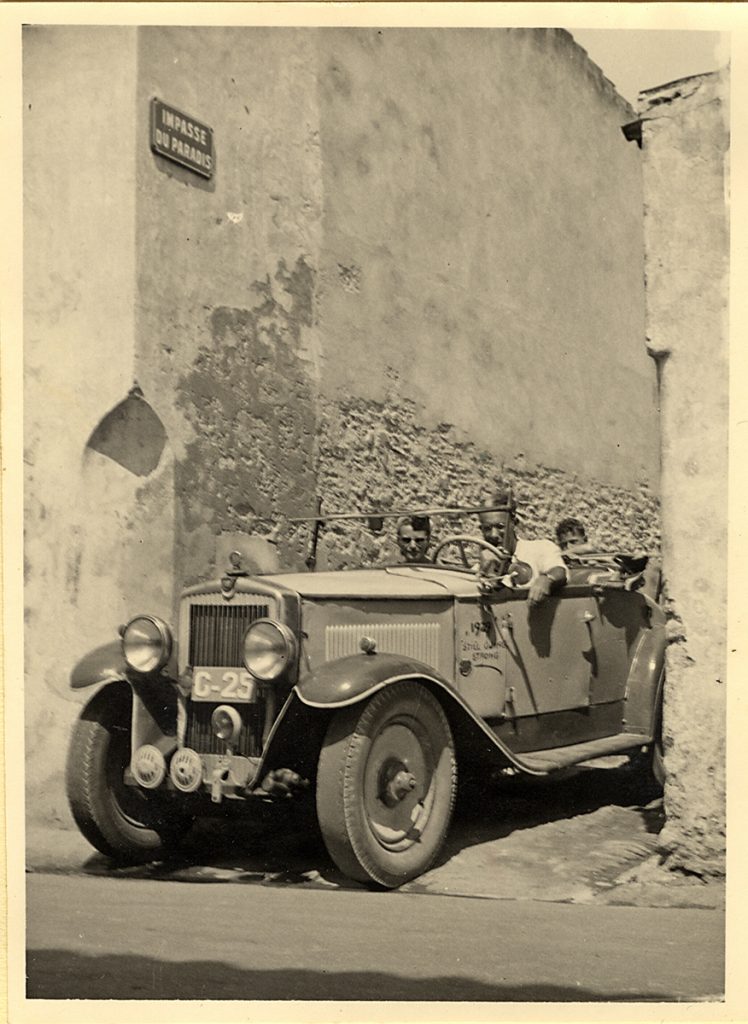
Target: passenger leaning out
(547, 569)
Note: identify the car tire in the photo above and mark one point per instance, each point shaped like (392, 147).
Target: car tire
(657, 753)
(649, 763)
(386, 784)
(125, 823)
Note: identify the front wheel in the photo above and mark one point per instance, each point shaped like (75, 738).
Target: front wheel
(123, 822)
(386, 785)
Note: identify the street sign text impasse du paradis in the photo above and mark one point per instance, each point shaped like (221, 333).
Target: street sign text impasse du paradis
(182, 138)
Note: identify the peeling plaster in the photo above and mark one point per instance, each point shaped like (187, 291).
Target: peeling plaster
(251, 401)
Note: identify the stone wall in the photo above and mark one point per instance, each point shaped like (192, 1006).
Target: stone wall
(380, 454)
(685, 138)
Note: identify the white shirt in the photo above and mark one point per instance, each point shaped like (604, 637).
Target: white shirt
(540, 555)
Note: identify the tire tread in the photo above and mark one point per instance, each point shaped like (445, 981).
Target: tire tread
(93, 807)
(336, 786)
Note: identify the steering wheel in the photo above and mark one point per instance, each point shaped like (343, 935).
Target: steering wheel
(460, 540)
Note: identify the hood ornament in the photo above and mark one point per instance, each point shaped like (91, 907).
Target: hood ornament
(228, 582)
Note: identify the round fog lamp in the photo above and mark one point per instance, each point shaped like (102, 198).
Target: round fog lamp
(148, 766)
(146, 643)
(269, 646)
(226, 722)
(186, 770)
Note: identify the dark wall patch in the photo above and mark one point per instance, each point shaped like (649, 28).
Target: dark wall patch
(251, 403)
(131, 435)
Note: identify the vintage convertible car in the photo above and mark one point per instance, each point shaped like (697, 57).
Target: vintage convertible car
(366, 689)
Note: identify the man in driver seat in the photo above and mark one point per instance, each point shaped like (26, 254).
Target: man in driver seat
(413, 538)
(543, 557)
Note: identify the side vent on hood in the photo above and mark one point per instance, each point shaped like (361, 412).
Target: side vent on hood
(419, 640)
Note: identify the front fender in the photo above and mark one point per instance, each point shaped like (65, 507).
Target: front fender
(155, 700)
(151, 706)
(105, 664)
(336, 684)
(346, 681)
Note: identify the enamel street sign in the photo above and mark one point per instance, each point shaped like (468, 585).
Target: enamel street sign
(181, 138)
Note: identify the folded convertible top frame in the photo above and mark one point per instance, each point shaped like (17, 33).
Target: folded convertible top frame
(376, 514)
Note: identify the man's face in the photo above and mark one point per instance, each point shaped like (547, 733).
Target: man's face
(498, 529)
(571, 539)
(413, 544)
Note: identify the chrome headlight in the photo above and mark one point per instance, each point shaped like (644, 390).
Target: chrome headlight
(269, 647)
(146, 643)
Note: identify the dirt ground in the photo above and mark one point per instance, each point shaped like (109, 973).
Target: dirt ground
(587, 836)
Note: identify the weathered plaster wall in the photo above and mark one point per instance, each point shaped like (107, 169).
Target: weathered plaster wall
(170, 351)
(685, 149)
(79, 297)
(327, 274)
(407, 234)
(226, 278)
(483, 244)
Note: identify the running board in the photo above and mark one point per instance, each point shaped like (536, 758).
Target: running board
(562, 757)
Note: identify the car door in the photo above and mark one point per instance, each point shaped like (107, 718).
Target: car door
(615, 629)
(480, 658)
(550, 659)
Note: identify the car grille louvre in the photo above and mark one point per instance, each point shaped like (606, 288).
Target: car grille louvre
(217, 631)
(419, 640)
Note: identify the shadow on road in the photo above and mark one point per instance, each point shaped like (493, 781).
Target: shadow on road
(57, 974)
(283, 844)
(493, 811)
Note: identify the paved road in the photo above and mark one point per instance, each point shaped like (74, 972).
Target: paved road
(104, 938)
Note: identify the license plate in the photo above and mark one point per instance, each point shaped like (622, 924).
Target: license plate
(229, 684)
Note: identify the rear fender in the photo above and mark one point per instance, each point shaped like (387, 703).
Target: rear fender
(645, 681)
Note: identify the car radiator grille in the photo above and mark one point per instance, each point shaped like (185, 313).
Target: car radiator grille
(217, 632)
(200, 736)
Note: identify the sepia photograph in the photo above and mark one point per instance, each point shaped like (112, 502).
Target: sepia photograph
(367, 433)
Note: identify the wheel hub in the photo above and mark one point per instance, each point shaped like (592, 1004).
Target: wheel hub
(398, 790)
(398, 783)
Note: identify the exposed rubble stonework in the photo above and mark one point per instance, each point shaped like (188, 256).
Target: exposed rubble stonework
(685, 141)
(381, 455)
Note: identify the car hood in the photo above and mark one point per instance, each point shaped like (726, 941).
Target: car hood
(395, 581)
